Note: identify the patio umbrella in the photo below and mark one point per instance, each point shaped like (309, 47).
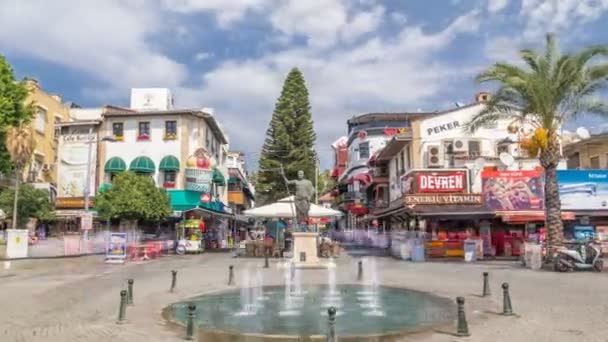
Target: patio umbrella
(285, 208)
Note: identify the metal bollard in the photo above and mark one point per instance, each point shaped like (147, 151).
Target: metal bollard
(486, 285)
(190, 322)
(331, 325)
(292, 271)
(122, 310)
(130, 291)
(462, 328)
(173, 280)
(266, 265)
(507, 309)
(360, 271)
(230, 275)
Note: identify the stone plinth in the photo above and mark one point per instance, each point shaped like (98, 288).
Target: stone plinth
(305, 251)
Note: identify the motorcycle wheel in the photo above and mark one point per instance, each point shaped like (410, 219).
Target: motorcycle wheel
(598, 265)
(560, 266)
(181, 250)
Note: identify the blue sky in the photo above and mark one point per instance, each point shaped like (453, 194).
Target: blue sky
(356, 55)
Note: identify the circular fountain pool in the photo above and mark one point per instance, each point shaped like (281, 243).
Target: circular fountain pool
(278, 310)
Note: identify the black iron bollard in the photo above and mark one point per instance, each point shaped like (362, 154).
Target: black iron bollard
(360, 271)
(230, 275)
(122, 310)
(507, 309)
(266, 265)
(462, 328)
(331, 325)
(292, 271)
(130, 291)
(190, 322)
(486, 285)
(173, 279)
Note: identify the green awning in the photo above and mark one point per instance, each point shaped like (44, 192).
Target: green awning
(218, 177)
(115, 165)
(233, 180)
(104, 187)
(169, 163)
(142, 164)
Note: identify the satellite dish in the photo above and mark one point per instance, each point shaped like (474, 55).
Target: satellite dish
(479, 163)
(506, 158)
(582, 133)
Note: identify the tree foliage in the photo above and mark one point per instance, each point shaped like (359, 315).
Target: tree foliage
(32, 203)
(551, 89)
(290, 140)
(133, 197)
(13, 109)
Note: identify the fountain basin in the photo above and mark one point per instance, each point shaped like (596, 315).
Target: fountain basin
(388, 314)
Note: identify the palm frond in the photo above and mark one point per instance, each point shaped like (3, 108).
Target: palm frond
(531, 58)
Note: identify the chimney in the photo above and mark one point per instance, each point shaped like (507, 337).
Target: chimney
(482, 96)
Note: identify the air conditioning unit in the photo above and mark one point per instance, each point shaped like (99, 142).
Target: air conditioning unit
(434, 157)
(460, 146)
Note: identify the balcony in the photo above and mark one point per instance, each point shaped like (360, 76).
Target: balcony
(236, 197)
(350, 196)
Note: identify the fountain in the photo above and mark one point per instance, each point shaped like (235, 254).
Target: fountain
(295, 309)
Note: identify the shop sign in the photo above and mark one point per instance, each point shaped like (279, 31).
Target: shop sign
(205, 198)
(583, 189)
(397, 131)
(116, 248)
(198, 179)
(86, 221)
(72, 202)
(443, 127)
(513, 190)
(443, 199)
(74, 163)
(442, 182)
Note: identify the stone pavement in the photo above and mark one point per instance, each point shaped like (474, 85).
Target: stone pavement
(77, 299)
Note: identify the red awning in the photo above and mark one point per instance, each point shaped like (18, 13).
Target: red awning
(363, 178)
(357, 209)
(530, 216)
(336, 172)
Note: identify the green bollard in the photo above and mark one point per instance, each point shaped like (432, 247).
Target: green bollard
(173, 280)
(122, 310)
(266, 265)
(331, 325)
(190, 322)
(130, 292)
(360, 271)
(486, 285)
(462, 328)
(507, 309)
(230, 275)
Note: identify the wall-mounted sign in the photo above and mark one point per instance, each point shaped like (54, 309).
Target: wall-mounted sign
(442, 181)
(443, 199)
(443, 127)
(198, 179)
(513, 190)
(72, 202)
(73, 163)
(397, 131)
(86, 221)
(583, 189)
(206, 198)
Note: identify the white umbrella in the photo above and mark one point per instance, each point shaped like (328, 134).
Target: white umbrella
(285, 208)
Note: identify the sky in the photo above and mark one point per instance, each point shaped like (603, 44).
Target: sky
(357, 56)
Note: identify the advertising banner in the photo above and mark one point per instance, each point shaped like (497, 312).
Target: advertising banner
(72, 163)
(513, 190)
(583, 189)
(443, 199)
(116, 248)
(434, 181)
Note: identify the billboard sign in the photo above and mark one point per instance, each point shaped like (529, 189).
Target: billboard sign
(583, 189)
(73, 154)
(430, 181)
(116, 248)
(513, 190)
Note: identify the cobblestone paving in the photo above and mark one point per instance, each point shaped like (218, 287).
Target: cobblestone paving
(77, 299)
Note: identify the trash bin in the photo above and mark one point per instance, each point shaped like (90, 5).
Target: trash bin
(418, 250)
(470, 250)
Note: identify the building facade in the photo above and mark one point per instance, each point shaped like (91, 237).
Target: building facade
(241, 194)
(589, 153)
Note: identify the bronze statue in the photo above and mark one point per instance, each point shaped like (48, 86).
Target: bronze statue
(304, 191)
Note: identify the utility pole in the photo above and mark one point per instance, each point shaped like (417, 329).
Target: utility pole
(316, 187)
(87, 187)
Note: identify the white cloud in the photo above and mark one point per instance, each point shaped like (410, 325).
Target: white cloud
(113, 49)
(495, 6)
(201, 56)
(227, 11)
(502, 48)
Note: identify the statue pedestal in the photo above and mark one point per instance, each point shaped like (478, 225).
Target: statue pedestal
(305, 251)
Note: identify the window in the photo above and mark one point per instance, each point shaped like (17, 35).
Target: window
(144, 131)
(207, 140)
(170, 130)
(169, 181)
(40, 119)
(574, 161)
(364, 150)
(594, 162)
(57, 130)
(474, 149)
(118, 131)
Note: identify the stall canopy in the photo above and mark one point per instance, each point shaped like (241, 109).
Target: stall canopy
(285, 208)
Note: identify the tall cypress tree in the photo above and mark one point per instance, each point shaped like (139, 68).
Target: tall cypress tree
(290, 140)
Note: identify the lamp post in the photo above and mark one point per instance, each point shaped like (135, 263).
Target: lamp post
(87, 181)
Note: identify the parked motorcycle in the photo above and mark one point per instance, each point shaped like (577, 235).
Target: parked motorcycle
(586, 257)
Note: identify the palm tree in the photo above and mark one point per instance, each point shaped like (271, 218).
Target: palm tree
(20, 144)
(546, 91)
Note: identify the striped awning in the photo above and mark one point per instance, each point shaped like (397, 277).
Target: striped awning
(169, 163)
(142, 164)
(115, 165)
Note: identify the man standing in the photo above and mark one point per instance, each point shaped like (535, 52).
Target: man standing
(304, 191)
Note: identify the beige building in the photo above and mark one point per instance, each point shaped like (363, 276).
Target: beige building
(48, 111)
(591, 153)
